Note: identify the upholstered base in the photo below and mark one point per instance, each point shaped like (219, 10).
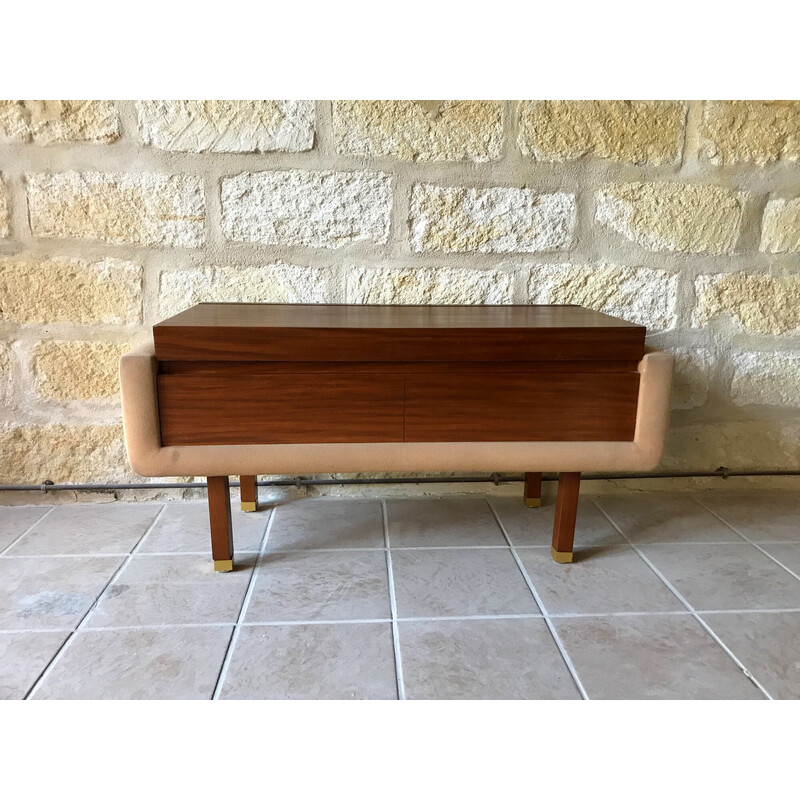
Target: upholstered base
(138, 371)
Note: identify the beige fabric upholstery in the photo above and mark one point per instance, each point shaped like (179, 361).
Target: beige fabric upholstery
(149, 458)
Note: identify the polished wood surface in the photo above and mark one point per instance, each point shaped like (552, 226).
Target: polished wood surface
(332, 315)
(528, 407)
(266, 332)
(233, 373)
(533, 486)
(569, 484)
(238, 368)
(255, 409)
(219, 512)
(248, 489)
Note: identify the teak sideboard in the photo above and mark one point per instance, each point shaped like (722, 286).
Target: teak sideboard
(238, 388)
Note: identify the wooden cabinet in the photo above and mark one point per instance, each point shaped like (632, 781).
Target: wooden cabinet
(233, 374)
(278, 374)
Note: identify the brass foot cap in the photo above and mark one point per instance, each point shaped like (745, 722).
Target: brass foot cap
(533, 502)
(223, 566)
(561, 558)
(248, 506)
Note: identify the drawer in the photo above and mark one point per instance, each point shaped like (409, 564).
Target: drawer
(286, 409)
(530, 407)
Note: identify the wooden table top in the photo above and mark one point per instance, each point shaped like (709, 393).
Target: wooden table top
(358, 333)
(269, 315)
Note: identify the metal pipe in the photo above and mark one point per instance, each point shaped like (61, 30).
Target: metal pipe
(495, 478)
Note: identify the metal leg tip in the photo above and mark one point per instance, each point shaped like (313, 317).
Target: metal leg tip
(248, 506)
(561, 558)
(223, 566)
(533, 502)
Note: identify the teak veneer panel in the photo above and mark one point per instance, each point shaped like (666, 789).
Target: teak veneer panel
(266, 332)
(244, 373)
(532, 407)
(254, 409)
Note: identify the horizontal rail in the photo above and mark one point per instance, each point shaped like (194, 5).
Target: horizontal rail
(495, 478)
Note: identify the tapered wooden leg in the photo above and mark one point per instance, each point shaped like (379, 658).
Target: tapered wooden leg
(533, 489)
(219, 515)
(248, 492)
(569, 484)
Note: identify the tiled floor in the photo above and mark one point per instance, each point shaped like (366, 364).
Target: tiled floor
(670, 596)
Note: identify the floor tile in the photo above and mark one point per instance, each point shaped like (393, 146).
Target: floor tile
(15, 520)
(485, 659)
(23, 657)
(459, 582)
(600, 580)
(442, 522)
(315, 524)
(183, 527)
(173, 590)
(729, 577)
(667, 657)
(49, 592)
(320, 586)
(667, 517)
(142, 664)
(768, 644)
(88, 529)
(534, 526)
(761, 516)
(312, 662)
(787, 554)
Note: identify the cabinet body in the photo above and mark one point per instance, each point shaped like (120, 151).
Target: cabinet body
(290, 374)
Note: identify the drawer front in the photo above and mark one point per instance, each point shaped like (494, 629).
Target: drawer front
(284, 409)
(530, 407)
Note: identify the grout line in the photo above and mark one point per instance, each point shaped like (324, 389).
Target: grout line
(124, 555)
(686, 603)
(398, 659)
(378, 620)
(206, 553)
(582, 614)
(749, 611)
(61, 650)
(27, 530)
(470, 617)
(551, 627)
(452, 547)
(158, 626)
(147, 532)
(748, 540)
(299, 622)
(4, 631)
(395, 547)
(503, 530)
(68, 555)
(691, 543)
(223, 670)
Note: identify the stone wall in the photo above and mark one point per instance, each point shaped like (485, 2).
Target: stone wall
(684, 217)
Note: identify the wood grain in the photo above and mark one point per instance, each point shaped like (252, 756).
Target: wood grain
(332, 315)
(248, 489)
(533, 486)
(219, 513)
(254, 409)
(569, 485)
(265, 332)
(521, 407)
